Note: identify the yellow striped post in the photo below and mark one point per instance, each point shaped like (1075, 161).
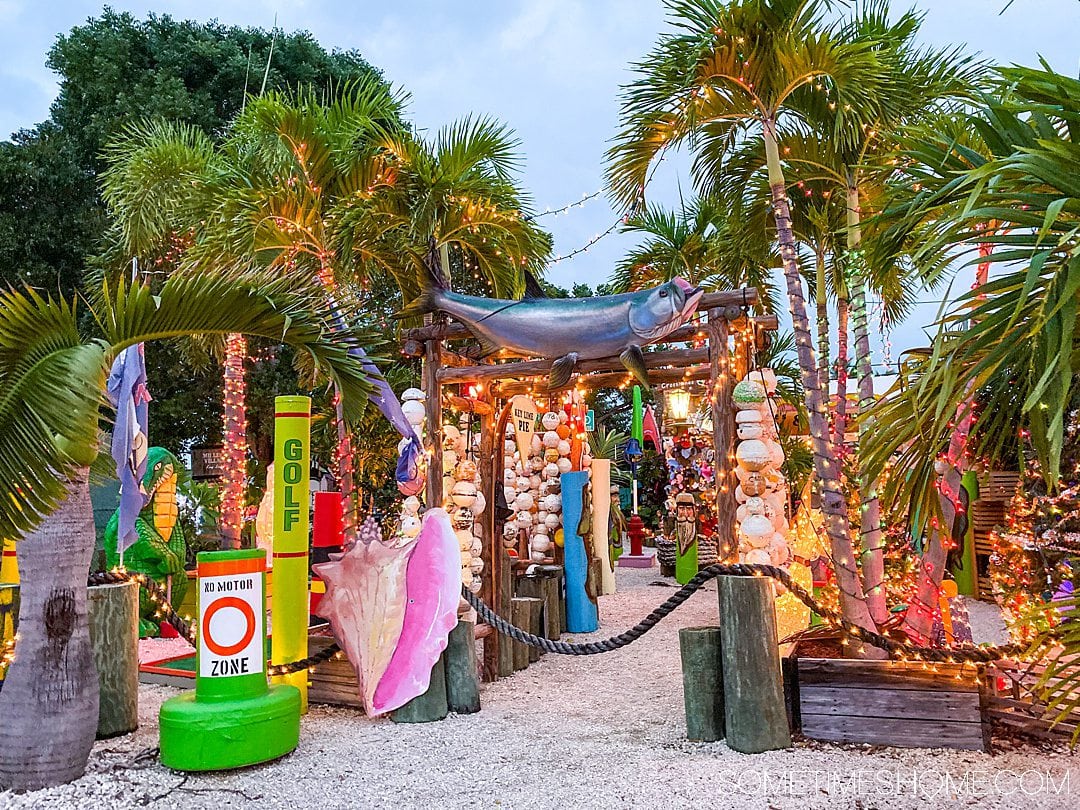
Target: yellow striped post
(292, 521)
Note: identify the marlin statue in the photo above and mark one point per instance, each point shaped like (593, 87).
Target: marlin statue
(567, 329)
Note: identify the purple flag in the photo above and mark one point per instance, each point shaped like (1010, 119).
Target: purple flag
(128, 393)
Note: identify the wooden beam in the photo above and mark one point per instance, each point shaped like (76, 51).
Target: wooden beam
(722, 409)
(533, 368)
(609, 380)
(747, 296)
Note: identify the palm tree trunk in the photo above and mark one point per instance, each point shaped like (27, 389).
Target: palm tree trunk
(871, 537)
(840, 420)
(234, 417)
(822, 303)
(49, 704)
(833, 500)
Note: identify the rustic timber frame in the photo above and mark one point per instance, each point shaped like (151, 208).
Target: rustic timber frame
(504, 375)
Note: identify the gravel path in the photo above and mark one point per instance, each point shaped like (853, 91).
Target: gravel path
(598, 731)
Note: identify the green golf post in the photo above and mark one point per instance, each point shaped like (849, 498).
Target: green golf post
(292, 521)
(233, 718)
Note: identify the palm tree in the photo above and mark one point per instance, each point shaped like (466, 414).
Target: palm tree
(52, 385)
(1013, 340)
(742, 68)
(712, 243)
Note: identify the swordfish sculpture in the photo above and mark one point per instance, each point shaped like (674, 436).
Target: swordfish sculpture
(567, 329)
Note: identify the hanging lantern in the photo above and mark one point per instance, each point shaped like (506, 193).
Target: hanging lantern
(678, 402)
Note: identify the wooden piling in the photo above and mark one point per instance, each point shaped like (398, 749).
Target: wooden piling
(429, 706)
(113, 614)
(462, 684)
(703, 683)
(526, 615)
(754, 716)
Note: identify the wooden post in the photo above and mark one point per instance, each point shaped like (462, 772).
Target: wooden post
(703, 683)
(755, 719)
(721, 385)
(544, 585)
(490, 445)
(525, 613)
(429, 706)
(113, 613)
(462, 687)
(503, 608)
(433, 406)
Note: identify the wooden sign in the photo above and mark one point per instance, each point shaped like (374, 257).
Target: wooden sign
(523, 413)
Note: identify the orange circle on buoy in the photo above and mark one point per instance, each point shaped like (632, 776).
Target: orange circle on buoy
(249, 633)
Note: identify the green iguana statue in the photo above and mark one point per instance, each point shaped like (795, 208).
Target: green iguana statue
(159, 551)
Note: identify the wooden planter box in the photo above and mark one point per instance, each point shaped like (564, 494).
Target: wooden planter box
(888, 703)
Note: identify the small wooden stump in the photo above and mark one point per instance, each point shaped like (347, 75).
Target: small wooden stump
(754, 716)
(525, 613)
(544, 585)
(703, 683)
(114, 635)
(506, 589)
(431, 705)
(462, 683)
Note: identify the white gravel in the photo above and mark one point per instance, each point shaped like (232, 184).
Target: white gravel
(597, 731)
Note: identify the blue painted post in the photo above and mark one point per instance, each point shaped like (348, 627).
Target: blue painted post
(582, 615)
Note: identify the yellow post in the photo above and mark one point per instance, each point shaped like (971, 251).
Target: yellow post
(9, 566)
(292, 520)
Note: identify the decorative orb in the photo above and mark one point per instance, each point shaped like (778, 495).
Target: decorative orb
(509, 447)
(522, 484)
(410, 526)
(510, 543)
(540, 528)
(564, 465)
(941, 466)
(740, 494)
(509, 529)
(480, 504)
(765, 376)
(519, 468)
(477, 547)
(563, 417)
(552, 521)
(559, 538)
(411, 505)
(537, 556)
(450, 435)
(450, 459)
(509, 493)
(465, 470)
(523, 501)
(749, 417)
(552, 503)
(447, 486)
(540, 543)
(412, 394)
(749, 431)
(586, 461)
(551, 455)
(509, 477)
(414, 411)
(525, 520)
(748, 394)
(757, 526)
(753, 484)
(462, 518)
(563, 431)
(464, 539)
(534, 482)
(464, 493)
(537, 445)
(550, 420)
(536, 464)
(563, 447)
(758, 556)
(550, 471)
(776, 453)
(755, 506)
(752, 455)
(551, 439)
(477, 565)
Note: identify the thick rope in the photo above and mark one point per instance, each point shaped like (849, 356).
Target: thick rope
(965, 652)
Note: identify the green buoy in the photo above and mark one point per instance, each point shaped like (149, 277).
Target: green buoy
(234, 717)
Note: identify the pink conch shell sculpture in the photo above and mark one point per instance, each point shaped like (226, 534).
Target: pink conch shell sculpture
(433, 585)
(392, 606)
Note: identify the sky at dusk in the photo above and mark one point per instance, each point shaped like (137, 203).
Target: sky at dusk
(550, 69)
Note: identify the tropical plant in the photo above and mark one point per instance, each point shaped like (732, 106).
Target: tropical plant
(733, 70)
(52, 386)
(712, 243)
(1012, 341)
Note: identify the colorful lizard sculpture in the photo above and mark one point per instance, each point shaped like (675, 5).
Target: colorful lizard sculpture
(160, 551)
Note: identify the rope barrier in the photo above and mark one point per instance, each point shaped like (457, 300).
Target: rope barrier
(958, 653)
